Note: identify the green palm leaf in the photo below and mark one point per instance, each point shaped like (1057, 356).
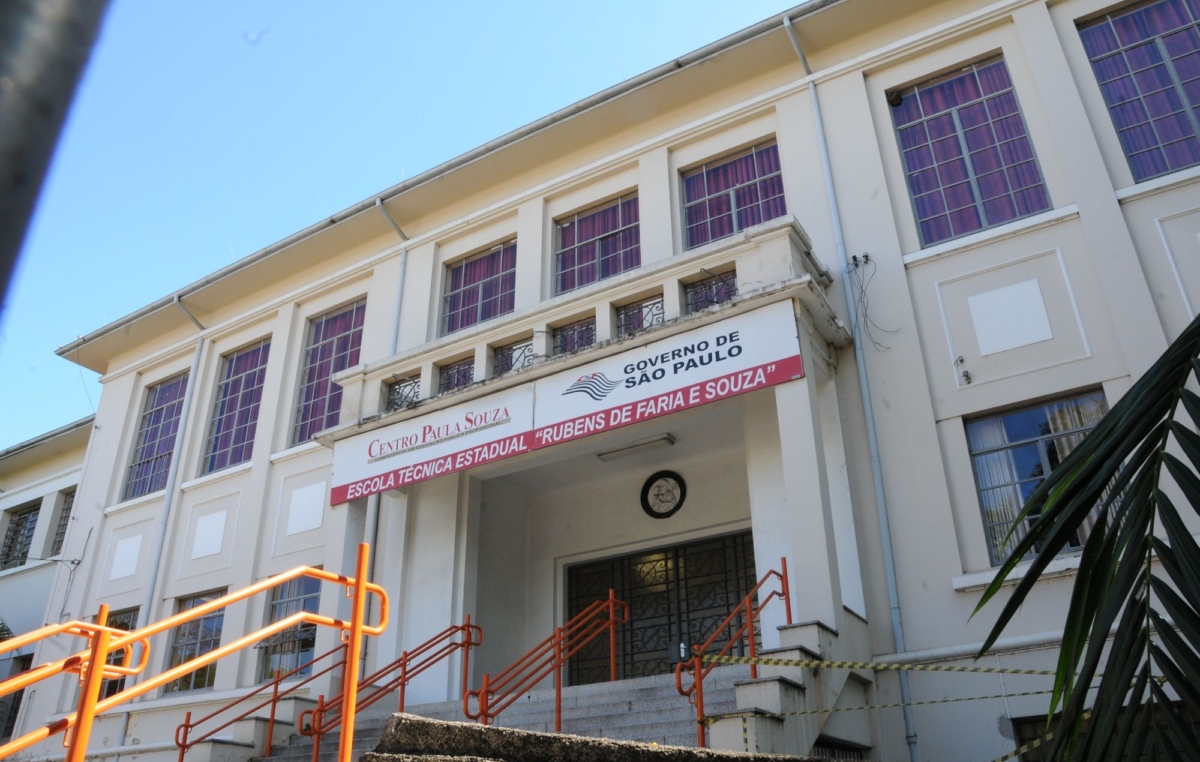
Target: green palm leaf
(1139, 574)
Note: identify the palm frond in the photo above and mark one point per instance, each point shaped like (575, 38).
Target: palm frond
(1139, 574)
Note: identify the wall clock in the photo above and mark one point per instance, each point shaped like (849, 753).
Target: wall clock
(663, 494)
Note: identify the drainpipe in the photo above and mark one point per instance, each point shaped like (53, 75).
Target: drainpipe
(885, 531)
(371, 530)
(168, 499)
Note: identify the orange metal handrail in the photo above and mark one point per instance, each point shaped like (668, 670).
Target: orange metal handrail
(496, 694)
(748, 613)
(320, 721)
(183, 737)
(103, 642)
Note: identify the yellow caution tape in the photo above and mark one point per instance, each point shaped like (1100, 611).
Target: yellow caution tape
(872, 665)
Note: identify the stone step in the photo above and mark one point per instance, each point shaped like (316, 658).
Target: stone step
(416, 736)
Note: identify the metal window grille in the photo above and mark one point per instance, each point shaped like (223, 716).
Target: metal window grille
(512, 357)
(125, 619)
(1029, 729)
(1147, 62)
(1013, 452)
(287, 650)
(403, 392)
(827, 749)
(732, 194)
(10, 705)
(194, 639)
(716, 289)
(235, 414)
(576, 336)
(64, 519)
(967, 155)
(334, 341)
(640, 316)
(18, 537)
(155, 443)
(456, 375)
(480, 288)
(597, 244)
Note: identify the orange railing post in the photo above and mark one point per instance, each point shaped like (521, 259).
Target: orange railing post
(271, 718)
(317, 719)
(746, 613)
(182, 730)
(558, 665)
(91, 675)
(612, 636)
(403, 679)
(353, 655)
(93, 669)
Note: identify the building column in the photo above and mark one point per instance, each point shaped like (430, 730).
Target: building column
(790, 508)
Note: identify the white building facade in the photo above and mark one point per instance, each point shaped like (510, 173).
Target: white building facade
(487, 371)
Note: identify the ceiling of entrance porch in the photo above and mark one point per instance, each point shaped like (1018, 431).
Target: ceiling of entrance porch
(700, 434)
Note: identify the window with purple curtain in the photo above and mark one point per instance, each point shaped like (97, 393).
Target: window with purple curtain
(456, 375)
(597, 244)
(1147, 61)
(480, 288)
(574, 337)
(155, 442)
(334, 340)
(967, 155)
(730, 194)
(235, 415)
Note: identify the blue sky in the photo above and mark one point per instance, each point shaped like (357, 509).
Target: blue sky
(204, 130)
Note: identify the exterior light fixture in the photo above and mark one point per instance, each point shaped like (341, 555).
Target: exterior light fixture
(640, 446)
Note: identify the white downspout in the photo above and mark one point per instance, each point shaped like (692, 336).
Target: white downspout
(885, 530)
(164, 517)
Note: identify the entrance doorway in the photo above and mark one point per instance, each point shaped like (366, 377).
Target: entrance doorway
(677, 598)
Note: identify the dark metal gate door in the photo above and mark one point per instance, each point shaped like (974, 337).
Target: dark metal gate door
(677, 595)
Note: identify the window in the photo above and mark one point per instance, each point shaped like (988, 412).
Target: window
(512, 357)
(1147, 62)
(125, 619)
(480, 288)
(576, 336)
(967, 155)
(235, 415)
(597, 244)
(456, 375)
(741, 190)
(639, 316)
(292, 648)
(10, 705)
(64, 518)
(333, 345)
(18, 536)
(1030, 729)
(1013, 452)
(403, 392)
(155, 443)
(715, 289)
(194, 639)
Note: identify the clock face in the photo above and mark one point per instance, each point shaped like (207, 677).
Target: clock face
(663, 494)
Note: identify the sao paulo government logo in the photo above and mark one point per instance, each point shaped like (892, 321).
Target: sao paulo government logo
(595, 385)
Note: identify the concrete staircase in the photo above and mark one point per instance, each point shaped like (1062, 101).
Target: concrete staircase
(644, 709)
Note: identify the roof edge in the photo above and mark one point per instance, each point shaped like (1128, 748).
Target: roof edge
(41, 439)
(636, 82)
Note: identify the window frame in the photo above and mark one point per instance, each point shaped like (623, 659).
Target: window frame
(513, 356)
(64, 519)
(960, 134)
(1177, 85)
(119, 620)
(297, 409)
(721, 280)
(448, 278)
(129, 489)
(276, 609)
(716, 162)
(622, 227)
(210, 672)
(656, 312)
(19, 534)
(1011, 446)
(224, 381)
